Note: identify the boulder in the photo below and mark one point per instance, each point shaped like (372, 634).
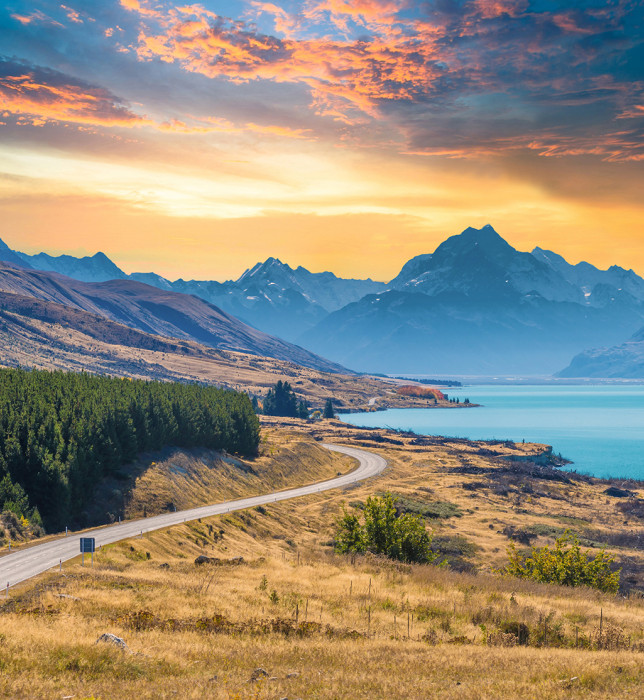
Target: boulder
(109, 638)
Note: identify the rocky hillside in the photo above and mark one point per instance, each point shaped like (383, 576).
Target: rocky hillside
(154, 311)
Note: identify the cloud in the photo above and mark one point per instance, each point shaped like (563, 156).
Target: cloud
(35, 17)
(370, 61)
(350, 75)
(37, 95)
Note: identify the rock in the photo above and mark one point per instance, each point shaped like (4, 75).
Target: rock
(203, 559)
(618, 493)
(293, 674)
(165, 565)
(110, 638)
(257, 674)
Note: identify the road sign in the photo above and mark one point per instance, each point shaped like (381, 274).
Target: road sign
(87, 544)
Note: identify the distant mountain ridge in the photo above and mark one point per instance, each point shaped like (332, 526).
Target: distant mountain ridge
(95, 268)
(159, 312)
(273, 296)
(270, 296)
(10, 256)
(476, 305)
(622, 361)
(479, 261)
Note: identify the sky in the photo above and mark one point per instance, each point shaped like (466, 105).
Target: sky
(197, 139)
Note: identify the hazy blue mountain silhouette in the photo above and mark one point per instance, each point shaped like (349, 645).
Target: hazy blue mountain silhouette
(270, 296)
(476, 306)
(624, 361)
(95, 268)
(9, 256)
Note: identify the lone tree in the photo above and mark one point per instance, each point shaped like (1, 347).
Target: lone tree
(383, 531)
(303, 409)
(282, 401)
(329, 412)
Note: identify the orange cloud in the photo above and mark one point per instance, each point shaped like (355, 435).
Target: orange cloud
(204, 125)
(632, 112)
(137, 6)
(36, 16)
(618, 146)
(365, 12)
(23, 19)
(358, 72)
(72, 14)
(496, 8)
(37, 99)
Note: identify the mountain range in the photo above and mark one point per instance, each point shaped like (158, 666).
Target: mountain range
(270, 296)
(623, 361)
(143, 308)
(476, 305)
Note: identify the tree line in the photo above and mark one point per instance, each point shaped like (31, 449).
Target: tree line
(281, 400)
(61, 433)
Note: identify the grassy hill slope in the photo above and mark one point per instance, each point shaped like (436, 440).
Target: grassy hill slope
(329, 626)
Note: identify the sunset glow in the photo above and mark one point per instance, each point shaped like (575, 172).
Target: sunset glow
(196, 139)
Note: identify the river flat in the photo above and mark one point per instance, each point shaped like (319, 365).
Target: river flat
(599, 428)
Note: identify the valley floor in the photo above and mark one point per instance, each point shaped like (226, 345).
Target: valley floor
(323, 625)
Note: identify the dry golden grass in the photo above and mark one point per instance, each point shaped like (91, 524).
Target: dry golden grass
(348, 639)
(295, 607)
(189, 478)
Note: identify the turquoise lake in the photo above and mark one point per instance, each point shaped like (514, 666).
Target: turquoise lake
(599, 428)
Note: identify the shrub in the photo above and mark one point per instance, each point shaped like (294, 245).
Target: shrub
(383, 531)
(566, 564)
(421, 392)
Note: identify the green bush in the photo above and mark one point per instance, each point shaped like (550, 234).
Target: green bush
(566, 565)
(383, 531)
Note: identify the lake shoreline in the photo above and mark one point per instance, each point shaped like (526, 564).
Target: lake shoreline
(596, 428)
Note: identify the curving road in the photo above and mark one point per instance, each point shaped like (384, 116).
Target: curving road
(32, 561)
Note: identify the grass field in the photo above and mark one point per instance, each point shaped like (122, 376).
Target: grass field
(328, 626)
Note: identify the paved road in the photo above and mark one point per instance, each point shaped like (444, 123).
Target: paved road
(32, 561)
